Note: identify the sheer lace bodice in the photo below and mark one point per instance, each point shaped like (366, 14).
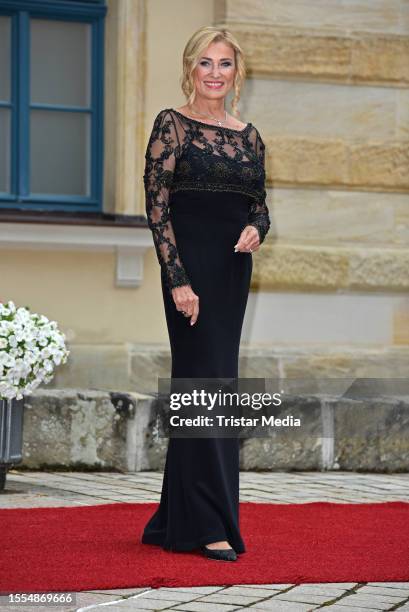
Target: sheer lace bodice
(185, 154)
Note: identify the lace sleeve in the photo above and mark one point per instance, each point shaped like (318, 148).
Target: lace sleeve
(160, 159)
(259, 214)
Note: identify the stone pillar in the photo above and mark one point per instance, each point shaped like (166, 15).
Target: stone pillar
(124, 105)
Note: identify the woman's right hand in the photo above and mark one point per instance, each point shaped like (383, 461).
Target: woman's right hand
(187, 302)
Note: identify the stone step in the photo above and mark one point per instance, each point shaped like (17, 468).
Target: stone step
(366, 429)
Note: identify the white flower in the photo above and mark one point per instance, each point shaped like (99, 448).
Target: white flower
(5, 328)
(48, 365)
(47, 351)
(9, 360)
(30, 347)
(12, 340)
(11, 306)
(57, 358)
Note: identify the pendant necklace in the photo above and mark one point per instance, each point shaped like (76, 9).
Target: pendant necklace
(219, 121)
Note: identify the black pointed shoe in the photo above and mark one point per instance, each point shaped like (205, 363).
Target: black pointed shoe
(220, 554)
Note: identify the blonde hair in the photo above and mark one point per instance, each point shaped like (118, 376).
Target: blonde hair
(195, 46)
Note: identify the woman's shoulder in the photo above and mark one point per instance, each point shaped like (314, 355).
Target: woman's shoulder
(253, 129)
(254, 134)
(237, 124)
(163, 114)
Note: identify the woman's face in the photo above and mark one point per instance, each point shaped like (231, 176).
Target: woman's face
(214, 74)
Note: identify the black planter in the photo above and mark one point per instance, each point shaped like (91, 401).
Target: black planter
(11, 435)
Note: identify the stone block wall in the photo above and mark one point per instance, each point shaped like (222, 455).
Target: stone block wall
(328, 88)
(95, 430)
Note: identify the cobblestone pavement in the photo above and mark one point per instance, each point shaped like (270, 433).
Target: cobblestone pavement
(29, 489)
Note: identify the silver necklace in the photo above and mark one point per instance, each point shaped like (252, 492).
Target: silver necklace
(219, 121)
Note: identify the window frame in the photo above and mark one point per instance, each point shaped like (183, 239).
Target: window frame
(20, 12)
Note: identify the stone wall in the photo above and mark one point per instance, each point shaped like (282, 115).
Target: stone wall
(328, 88)
(136, 368)
(96, 430)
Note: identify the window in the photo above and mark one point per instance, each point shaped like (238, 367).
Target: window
(51, 104)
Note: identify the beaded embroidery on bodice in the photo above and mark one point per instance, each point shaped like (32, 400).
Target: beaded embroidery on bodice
(185, 154)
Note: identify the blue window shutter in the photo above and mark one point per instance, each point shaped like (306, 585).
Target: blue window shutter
(20, 14)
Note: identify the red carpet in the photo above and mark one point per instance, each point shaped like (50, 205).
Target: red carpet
(98, 547)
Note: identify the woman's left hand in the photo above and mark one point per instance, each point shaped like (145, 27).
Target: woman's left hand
(249, 240)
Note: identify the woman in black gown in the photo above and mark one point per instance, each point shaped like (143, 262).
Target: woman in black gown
(205, 204)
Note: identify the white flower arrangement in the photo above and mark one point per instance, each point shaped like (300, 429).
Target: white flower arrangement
(30, 348)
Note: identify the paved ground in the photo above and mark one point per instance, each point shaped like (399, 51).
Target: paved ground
(29, 489)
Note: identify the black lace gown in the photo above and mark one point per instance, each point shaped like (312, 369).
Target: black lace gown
(203, 185)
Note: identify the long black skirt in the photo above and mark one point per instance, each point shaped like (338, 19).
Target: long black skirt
(200, 492)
